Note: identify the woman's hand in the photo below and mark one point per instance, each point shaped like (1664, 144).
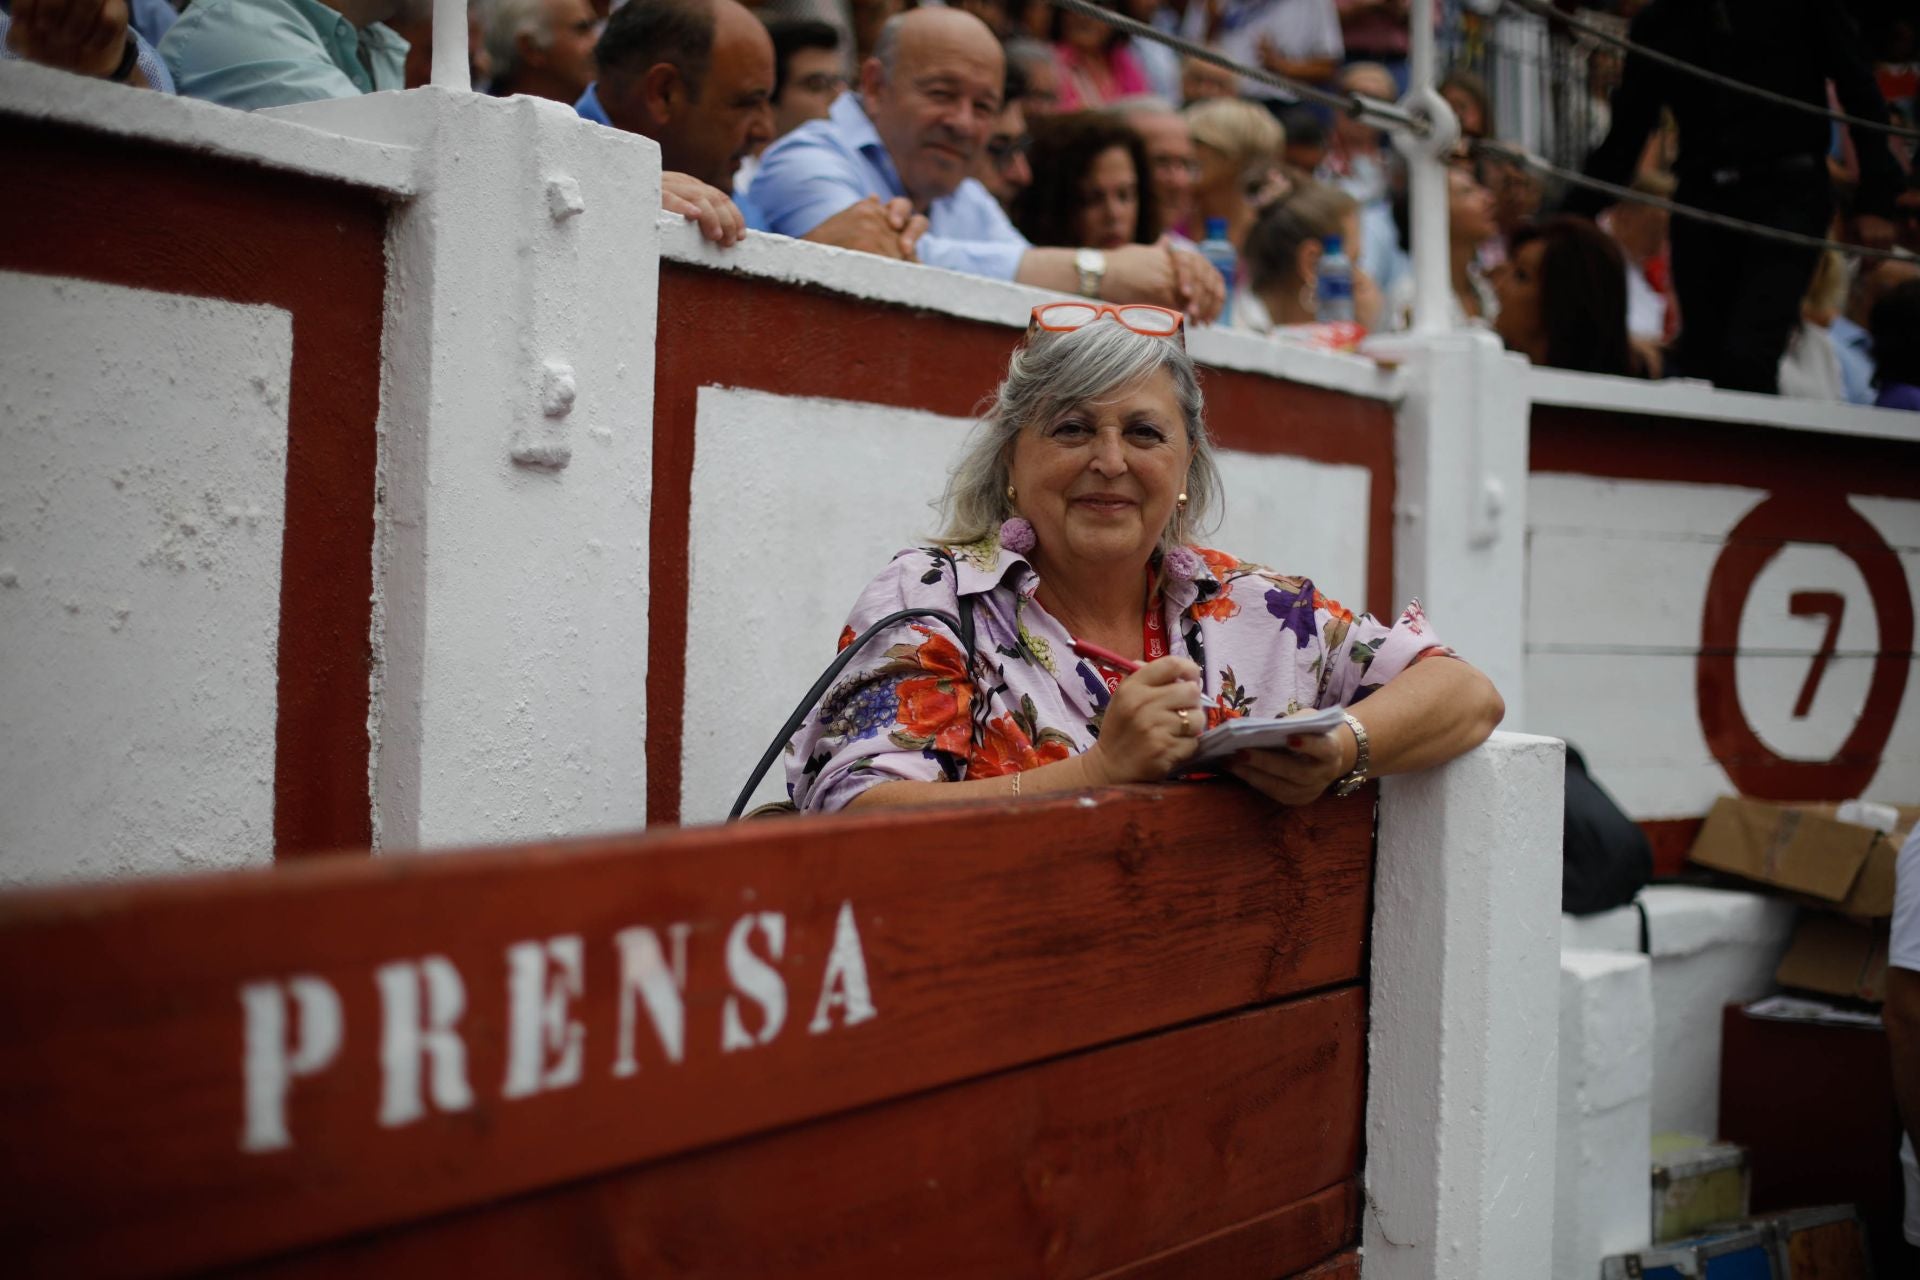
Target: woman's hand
(1144, 736)
(1302, 772)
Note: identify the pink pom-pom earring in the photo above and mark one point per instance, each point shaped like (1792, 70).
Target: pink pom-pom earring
(1016, 535)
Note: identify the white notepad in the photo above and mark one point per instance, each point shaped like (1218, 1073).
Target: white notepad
(1254, 734)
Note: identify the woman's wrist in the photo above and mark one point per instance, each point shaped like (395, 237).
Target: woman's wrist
(1091, 765)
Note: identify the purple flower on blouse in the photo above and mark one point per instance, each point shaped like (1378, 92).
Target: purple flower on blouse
(1295, 611)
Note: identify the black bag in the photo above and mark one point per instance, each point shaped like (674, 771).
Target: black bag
(1606, 859)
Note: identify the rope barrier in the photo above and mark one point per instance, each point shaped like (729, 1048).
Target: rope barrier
(1362, 107)
(1515, 155)
(1544, 9)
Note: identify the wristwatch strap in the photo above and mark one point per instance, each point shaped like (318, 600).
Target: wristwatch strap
(129, 59)
(1362, 761)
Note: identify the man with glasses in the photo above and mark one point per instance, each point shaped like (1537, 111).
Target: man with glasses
(1170, 156)
(928, 98)
(1001, 167)
(543, 48)
(808, 72)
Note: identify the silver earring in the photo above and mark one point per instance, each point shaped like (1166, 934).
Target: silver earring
(1181, 501)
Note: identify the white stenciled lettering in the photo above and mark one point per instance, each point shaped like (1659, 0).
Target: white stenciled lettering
(270, 1065)
(405, 1039)
(646, 975)
(543, 1042)
(756, 979)
(845, 983)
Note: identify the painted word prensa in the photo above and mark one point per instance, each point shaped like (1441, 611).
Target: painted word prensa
(294, 1026)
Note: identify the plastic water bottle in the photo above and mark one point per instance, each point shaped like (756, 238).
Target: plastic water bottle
(1218, 250)
(1334, 302)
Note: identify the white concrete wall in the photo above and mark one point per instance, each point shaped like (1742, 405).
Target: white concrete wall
(1602, 1143)
(1464, 1018)
(1595, 543)
(143, 442)
(1709, 947)
(515, 471)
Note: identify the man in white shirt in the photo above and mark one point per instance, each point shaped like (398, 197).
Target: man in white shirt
(1902, 1015)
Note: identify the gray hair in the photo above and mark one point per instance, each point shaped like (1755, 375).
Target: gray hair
(1053, 371)
(1141, 104)
(1024, 51)
(886, 47)
(510, 20)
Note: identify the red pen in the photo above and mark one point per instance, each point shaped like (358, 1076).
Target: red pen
(1087, 649)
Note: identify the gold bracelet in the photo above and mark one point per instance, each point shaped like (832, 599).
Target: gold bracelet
(1016, 786)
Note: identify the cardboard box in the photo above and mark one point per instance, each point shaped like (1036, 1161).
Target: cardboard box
(1842, 870)
(1837, 956)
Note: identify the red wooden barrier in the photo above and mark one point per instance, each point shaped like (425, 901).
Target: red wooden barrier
(1110, 1035)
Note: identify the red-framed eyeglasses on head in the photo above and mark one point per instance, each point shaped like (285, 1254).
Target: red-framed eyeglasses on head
(1141, 317)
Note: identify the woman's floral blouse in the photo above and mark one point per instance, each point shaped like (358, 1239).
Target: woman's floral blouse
(908, 707)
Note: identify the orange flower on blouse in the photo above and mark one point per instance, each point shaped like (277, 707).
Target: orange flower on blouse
(936, 706)
(1006, 749)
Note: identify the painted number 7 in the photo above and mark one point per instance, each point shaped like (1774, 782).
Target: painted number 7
(1808, 604)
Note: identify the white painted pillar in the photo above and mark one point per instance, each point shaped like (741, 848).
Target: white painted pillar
(1604, 1144)
(516, 471)
(1427, 177)
(1464, 1018)
(1460, 518)
(451, 61)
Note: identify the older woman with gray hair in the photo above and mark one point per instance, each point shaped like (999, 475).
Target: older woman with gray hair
(1065, 631)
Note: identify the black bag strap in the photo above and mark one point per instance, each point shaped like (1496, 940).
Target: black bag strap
(961, 627)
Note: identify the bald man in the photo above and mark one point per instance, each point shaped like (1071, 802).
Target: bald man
(929, 96)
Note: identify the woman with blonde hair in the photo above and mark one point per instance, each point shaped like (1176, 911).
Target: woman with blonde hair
(1236, 145)
(1283, 253)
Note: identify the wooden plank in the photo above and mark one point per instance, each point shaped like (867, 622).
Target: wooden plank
(1606, 442)
(1069, 1168)
(1025, 931)
(1274, 1244)
(1344, 1267)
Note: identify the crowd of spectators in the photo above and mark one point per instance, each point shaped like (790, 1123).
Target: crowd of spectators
(1025, 142)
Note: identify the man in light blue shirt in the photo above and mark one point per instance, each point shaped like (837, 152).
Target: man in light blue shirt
(272, 53)
(928, 98)
(1851, 341)
(822, 167)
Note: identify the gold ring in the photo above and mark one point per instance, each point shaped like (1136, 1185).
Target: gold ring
(1186, 725)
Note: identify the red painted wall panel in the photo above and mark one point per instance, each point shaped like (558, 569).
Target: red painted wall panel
(126, 213)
